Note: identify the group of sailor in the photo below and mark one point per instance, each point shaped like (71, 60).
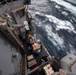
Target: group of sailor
(33, 44)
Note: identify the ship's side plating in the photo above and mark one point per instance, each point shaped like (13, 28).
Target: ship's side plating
(13, 13)
(10, 57)
(10, 50)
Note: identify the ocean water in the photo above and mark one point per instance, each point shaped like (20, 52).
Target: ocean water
(55, 21)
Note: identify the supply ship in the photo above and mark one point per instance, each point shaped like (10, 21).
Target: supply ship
(22, 52)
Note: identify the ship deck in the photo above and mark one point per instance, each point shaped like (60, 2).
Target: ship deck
(39, 69)
(15, 17)
(42, 53)
(37, 57)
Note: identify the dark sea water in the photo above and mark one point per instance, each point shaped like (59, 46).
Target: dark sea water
(56, 25)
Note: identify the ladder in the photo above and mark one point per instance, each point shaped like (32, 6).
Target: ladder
(23, 66)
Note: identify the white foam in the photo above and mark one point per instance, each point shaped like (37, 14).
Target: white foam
(59, 24)
(37, 12)
(67, 5)
(64, 13)
(54, 37)
(57, 6)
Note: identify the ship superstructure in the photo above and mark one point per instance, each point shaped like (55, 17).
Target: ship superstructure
(21, 50)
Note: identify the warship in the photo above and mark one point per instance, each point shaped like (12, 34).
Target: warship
(22, 52)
